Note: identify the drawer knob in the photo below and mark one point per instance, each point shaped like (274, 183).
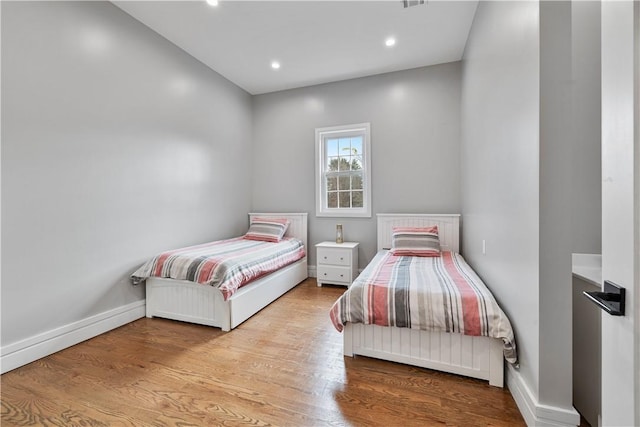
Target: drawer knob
(341, 258)
(342, 275)
(325, 274)
(325, 257)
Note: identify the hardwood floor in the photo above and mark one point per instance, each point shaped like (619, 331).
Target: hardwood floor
(283, 366)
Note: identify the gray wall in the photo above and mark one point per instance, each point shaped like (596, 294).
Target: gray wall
(415, 150)
(500, 166)
(530, 168)
(586, 158)
(115, 145)
(570, 176)
(555, 204)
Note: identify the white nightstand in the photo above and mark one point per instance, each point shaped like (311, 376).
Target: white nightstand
(337, 263)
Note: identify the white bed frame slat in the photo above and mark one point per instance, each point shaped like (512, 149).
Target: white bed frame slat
(476, 357)
(192, 302)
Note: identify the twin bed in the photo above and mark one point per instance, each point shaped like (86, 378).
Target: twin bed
(471, 336)
(194, 302)
(429, 311)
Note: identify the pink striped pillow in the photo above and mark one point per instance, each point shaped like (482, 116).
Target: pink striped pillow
(415, 241)
(267, 229)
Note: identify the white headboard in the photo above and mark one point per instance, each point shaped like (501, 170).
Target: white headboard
(448, 228)
(297, 227)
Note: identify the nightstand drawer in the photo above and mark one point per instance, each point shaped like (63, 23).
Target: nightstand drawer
(334, 256)
(334, 274)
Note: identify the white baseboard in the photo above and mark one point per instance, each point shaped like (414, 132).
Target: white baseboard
(533, 412)
(38, 346)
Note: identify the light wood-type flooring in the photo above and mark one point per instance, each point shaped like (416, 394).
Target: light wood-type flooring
(282, 367)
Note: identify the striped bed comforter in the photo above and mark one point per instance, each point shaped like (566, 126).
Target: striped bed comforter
(441, 294)
(225, 264)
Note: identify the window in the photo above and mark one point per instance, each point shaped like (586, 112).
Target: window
(343, 174)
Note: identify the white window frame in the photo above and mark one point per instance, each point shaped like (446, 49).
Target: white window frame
(322, 134)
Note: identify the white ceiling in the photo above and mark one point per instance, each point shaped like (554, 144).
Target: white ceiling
(315, 41)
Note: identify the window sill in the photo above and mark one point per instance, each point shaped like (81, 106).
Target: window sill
(344, 214)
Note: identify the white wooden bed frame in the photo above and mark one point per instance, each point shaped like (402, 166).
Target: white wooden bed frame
(476, 357)
(205, 305)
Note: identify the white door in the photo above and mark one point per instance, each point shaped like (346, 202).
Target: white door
(620, 229)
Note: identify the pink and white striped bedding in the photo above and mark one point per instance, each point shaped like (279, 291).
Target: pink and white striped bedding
(225, 264)
(441, 294)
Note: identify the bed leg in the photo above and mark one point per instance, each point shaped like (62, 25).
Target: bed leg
(496, 364)
(226, 323)
(347, 347)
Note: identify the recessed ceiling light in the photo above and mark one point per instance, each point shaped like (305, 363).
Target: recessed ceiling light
(390, 42)
(212, 2)
(275, 65)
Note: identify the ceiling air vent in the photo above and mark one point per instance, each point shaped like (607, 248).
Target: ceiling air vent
(409, 3)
